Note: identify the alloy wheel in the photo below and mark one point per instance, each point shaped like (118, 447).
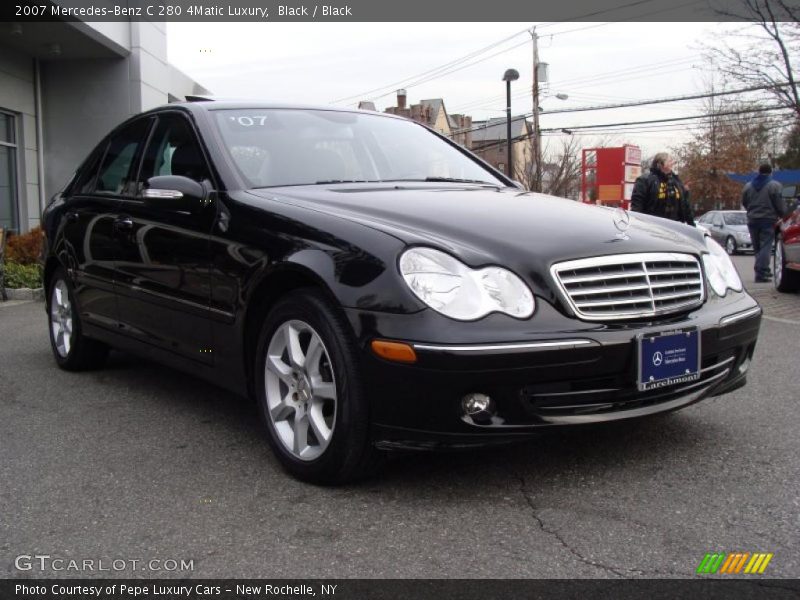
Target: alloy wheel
(61, 318)
(730, 246)
(300, 390)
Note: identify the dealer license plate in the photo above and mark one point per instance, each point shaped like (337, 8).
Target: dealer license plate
(668, 358)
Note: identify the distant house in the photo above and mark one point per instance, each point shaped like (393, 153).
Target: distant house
(433, 113)
(366, 105)
(489, 141)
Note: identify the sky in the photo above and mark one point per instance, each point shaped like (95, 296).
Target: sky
(341, 63)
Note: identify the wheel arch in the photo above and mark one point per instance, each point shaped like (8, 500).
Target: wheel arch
(270, 288)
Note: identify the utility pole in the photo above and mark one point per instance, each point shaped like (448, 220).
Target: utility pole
(537, 142)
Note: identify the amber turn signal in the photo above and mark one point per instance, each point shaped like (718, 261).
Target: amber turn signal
(394, 351)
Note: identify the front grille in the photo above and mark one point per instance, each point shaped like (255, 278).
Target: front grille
(627, 286)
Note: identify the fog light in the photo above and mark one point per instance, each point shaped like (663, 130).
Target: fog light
(744, 366)
(479, 407)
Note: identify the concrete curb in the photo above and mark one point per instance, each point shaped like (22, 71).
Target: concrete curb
(25, 293)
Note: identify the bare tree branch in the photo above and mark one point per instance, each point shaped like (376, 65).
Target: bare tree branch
(770, 46)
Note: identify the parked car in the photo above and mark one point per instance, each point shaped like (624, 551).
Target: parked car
(729, 228)
(786, 260)
(373, 285)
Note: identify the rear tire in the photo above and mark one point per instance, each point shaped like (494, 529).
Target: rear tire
(72, 350)
(730, 246)
(784, 279)
(310, 392)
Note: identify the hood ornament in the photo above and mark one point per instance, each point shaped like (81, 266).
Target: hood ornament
(622, 221)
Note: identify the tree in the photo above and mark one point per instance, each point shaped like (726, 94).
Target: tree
(561, 170)
(724, 144)
(790, 159)
(766, 48)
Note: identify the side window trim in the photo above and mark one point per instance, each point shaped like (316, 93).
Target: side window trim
(136, 161)
(92, 163)
(138, 184)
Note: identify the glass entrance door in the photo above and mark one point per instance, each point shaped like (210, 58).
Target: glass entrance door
(9, 211)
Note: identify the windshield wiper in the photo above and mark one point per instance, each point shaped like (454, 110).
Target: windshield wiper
(326, 181)
(457, 180)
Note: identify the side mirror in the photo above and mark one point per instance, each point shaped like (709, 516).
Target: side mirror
(174, 193)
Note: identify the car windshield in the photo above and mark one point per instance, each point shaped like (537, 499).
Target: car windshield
(277, 147)
(737, 218)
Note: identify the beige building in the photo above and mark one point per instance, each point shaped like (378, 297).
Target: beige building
(487, 139)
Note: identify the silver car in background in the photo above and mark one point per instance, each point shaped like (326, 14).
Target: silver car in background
(729, 228)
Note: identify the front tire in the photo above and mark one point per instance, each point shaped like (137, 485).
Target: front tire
(72, 350)
(784, 279)
(730, 246)
(310, 392)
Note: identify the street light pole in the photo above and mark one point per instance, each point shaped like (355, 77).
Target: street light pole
(509, 76)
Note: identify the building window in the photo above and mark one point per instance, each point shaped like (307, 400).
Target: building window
(9, 215)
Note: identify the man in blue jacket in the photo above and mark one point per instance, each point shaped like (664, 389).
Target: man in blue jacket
(762, 198)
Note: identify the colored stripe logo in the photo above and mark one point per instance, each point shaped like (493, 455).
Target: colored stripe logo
(734, 563)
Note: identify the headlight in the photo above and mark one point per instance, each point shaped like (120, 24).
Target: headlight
(720, 272)
(459, 292)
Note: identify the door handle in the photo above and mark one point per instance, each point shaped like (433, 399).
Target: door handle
(123, 224)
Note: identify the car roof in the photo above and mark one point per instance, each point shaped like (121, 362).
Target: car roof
(244, 104)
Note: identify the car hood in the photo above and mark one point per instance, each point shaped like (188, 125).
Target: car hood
(484, 225)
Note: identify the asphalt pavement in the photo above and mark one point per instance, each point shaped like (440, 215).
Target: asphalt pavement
(138, 462)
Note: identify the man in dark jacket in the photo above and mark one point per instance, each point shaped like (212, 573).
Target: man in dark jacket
(762, 198)
(661, 192)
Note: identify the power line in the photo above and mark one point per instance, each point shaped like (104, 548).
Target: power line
(609, 126)
(763, 121)
(447, 68)
(607, 77)
(453, 70)
(631, 18)
(444, 66)
(625, 105)
(610, 76)
(671, 119)
(665, 100)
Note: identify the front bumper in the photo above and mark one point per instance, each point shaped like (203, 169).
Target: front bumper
(549, 371)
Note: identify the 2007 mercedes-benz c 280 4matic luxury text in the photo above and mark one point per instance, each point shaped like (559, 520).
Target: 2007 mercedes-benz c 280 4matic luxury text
(373, 285)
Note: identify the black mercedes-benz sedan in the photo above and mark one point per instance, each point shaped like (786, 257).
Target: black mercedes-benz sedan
(373, 285)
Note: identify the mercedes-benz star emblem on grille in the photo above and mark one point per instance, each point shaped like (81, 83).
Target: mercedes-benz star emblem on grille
(658, 359)
(622, 221)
